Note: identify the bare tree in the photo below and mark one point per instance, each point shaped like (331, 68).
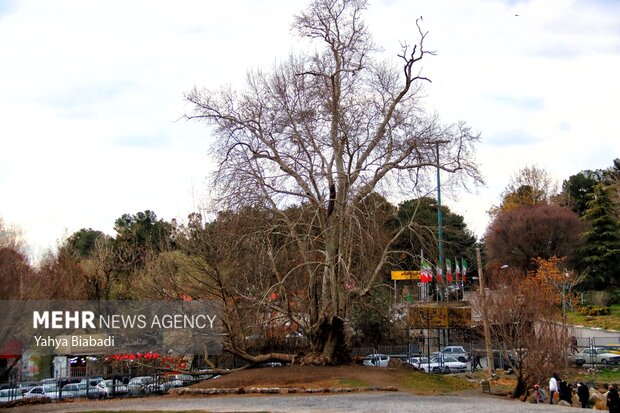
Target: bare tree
(523, 312)
(530, 186)
(17, 280)
(323, 131)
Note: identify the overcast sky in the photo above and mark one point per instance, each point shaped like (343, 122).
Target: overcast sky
(91, 93)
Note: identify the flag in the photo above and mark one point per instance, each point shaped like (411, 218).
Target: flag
(464, 271)
(457, 270)
(438, 275)
(448, 270)
(426, 270)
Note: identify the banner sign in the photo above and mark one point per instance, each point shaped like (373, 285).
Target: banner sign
(438, 316)
(405, 275)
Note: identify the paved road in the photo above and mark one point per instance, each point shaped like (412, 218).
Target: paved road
(359, 402)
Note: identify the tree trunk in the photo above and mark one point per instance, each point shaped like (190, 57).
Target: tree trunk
(329, 345)
(520, 389)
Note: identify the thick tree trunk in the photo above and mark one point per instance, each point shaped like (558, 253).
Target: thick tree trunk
(330, 344)
(520, 389)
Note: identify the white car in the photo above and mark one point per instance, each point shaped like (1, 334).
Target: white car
(8, 395)
(599, 355)
(376, 360)
(419, 362)
(73, 390)
(457, 352)
(446, 364)
(41, 391)
(70, 391)
(141, 385)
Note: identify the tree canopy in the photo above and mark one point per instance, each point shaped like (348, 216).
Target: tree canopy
(518, 236)
(600, 253)
(323, 131)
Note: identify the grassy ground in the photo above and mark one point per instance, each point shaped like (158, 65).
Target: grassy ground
(424, 383)
(604, 376)
(608, 322)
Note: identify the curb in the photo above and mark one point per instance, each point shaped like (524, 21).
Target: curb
(277, 390)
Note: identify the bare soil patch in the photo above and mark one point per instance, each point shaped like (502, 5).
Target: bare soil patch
(305, 377)
(315, 377)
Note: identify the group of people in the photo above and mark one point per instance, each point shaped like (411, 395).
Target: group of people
(565, 392)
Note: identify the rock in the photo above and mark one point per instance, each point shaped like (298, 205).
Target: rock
(564, 403)
(600, 405)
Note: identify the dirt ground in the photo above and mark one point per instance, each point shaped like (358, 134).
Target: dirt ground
(313, 377)
(307, 377)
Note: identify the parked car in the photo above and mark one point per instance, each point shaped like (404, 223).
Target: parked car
(93, 381)
(418, 362)
(170, 383)
(41, 391)
(27, 385)
(576, 360)
(111, 388)
(376, 360)
(599, 355)
(446, 364)
(439, 364)
(73, 390)
(70, 391)
(186, 379)
(457, 352)
(10, 394)
(140, 385)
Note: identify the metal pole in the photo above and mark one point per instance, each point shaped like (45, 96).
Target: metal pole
(485, 321)
(439, 223)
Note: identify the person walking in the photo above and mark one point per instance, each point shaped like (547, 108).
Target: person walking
(583, 392)
(613, 400)
(475, 361)
(566, 393)
(553, 386)
(538, 395)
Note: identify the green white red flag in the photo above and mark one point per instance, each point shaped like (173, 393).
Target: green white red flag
(448, 270)
(464, 271)
(457, 270)
(439, 274)
(426, 274)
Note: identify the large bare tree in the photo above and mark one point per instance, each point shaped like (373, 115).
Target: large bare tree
(323, 131)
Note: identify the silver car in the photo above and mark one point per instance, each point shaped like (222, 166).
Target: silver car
(41, 391)
(376, 360)
(457, 352)
(599, 355)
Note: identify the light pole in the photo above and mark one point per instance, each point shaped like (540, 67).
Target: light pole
(564, 332)
(564, 285)
(485, 316)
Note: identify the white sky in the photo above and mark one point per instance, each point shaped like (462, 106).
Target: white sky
(91, 93)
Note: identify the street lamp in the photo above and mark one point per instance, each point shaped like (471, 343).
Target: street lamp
(564, 285)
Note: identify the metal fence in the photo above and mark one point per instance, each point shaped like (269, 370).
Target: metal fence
(97, 387)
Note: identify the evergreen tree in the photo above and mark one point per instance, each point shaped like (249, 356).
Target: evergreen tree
(458, 240)
(600, 254)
